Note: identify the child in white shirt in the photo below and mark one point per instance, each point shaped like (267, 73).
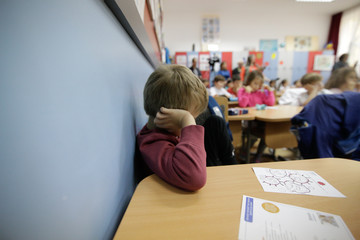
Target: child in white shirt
(312, 86)
(218, 88)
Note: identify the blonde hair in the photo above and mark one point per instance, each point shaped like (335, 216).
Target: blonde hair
(311, 78)
(176, 87)
(338, 77)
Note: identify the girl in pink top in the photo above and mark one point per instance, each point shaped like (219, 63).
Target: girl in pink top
(250, 95)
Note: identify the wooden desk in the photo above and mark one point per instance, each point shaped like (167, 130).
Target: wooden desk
(277, 126)
(236, 127)
(160, 211)
(281, 113)
(233, 104)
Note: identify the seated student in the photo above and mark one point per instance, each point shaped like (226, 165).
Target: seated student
(229, 84)
(297, 84)
(218, 88)
(312, 86)
(251, 94)
(237, 84)
(284, 85)
(171, 144)
(272, 84)
(206, 83)
(341, 80)
(224, 71)
(218, 137)
(329, 126)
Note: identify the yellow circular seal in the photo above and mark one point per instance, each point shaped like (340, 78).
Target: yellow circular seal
(271, 208)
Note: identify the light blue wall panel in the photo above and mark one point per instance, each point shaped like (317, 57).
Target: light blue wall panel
(71, 84)
(285, 65)
(271, 70)
(299, 65)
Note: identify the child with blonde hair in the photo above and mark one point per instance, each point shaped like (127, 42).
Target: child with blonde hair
(311, 87)
(171, 144)
(312, 82)
(342, 79)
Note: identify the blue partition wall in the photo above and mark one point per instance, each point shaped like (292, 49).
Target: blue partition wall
(71, 84)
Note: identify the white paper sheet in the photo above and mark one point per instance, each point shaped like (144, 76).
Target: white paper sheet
(295, 182)
(262, 219)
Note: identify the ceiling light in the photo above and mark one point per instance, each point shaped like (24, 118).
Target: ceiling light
(315, 0)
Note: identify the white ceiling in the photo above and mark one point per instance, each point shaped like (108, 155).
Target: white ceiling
(257, 6)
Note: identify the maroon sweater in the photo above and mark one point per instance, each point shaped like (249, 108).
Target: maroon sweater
(180, 161)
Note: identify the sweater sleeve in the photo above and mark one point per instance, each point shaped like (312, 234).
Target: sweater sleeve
(212, 91)
(182, 165)
(269, 98)
(243, 98)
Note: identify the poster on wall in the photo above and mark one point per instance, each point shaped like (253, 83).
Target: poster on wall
(302, 43)
(324, 62)
(210, 36)
(181, 60)
(268, 45)
(204, 61)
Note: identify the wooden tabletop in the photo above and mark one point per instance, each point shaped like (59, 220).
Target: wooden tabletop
(248, 116)
(278, 113)
(232, 104)
(160, 211)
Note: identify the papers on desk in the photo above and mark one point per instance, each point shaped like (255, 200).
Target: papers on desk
(295, 182)
(262, 219)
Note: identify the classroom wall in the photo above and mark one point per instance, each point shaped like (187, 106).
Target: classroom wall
(290, 65)
(71, 84)
(241, 26)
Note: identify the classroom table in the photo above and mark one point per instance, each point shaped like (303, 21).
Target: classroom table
(277, 126)
(235, 124)
(160, 211)
(233, 104)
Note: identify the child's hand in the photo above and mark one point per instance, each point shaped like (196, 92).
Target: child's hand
(268, 88)
(173, 120)
(314, 88)
(248, 89)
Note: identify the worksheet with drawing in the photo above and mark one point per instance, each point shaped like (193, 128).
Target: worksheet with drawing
(295, 182)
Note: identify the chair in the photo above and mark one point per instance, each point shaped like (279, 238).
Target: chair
(223, 103)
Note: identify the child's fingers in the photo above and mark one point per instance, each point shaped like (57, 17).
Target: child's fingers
(165, 110)
(160, 115)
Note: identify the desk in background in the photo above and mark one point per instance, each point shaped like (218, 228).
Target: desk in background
(160, 211)
(233, 104)
(277, 126)
(235, 124)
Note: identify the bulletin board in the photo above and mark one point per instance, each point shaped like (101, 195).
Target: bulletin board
(302, 43)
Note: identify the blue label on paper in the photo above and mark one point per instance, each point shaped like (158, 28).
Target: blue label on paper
(249, 208)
